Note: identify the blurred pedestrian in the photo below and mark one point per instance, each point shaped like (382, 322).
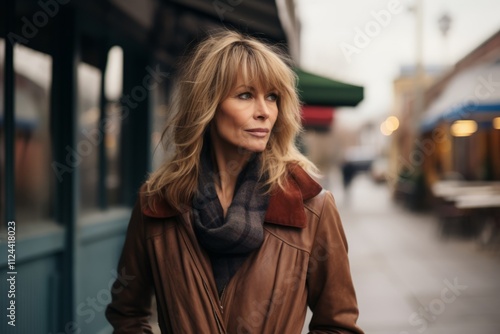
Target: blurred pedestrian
(348, 173)
(232, 234)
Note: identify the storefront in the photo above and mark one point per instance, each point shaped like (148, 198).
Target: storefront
(320, 95)
(463, 126)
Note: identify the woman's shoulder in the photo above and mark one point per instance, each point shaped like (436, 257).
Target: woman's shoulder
(316, 198)
(308, 187)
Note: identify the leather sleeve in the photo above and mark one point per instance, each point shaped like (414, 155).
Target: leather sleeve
(130, 308)
(331, 294)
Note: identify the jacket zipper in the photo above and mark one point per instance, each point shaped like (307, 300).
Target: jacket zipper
(222, 298)
(217, 319)
(219, 326)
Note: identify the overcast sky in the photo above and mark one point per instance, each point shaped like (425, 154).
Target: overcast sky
(329, 48)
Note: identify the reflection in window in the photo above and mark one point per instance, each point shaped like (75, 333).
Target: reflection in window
(34, 191)
(112, 127)
(88, 137)
(91, 135)
(113, 91)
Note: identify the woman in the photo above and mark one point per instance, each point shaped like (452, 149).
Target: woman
(232, 234)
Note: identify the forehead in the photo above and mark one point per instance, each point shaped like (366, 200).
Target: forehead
(250, 82)
(253, 78)
(255, 68)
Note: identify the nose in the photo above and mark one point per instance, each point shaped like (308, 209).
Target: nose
(261, 108)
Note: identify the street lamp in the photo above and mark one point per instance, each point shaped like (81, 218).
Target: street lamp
(444, 23)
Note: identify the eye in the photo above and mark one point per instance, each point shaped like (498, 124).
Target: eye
(272, 97)
(245, 96)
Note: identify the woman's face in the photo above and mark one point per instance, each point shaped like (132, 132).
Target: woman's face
(244, 119)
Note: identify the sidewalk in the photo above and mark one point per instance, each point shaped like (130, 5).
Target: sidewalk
(407, 279)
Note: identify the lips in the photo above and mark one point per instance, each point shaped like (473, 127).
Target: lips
(258, 132)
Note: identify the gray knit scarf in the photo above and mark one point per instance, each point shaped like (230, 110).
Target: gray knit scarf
(230, 240)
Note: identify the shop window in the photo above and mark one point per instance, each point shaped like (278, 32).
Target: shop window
(88, 139)
(495, 152)
(96, 130)
(33, 177)
(113, 91)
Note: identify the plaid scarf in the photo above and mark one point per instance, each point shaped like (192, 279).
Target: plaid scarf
(230, 240)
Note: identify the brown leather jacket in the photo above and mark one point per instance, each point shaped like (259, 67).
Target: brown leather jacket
(302, 262)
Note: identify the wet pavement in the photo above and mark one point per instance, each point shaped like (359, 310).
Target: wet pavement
(408, 279)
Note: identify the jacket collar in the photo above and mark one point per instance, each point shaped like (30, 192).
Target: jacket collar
(286, 207)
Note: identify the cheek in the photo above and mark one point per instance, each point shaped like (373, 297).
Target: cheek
(232, 115)
(229, 124)
(232, 123)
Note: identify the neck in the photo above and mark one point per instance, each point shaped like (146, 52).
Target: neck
(229, 161)
(229, 165)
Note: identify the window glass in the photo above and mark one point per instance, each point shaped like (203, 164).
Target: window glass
(34, 177)
(88, 137)
(113, 176)
(2, 158)
(112, 126)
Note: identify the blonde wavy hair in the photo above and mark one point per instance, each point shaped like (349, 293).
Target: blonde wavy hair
(205, 80)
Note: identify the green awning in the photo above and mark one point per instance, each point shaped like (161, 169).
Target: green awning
(320, 91)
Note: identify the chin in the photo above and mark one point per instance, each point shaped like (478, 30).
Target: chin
(258, 146)
(253, 149)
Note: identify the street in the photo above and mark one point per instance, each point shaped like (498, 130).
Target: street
(409, 280)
